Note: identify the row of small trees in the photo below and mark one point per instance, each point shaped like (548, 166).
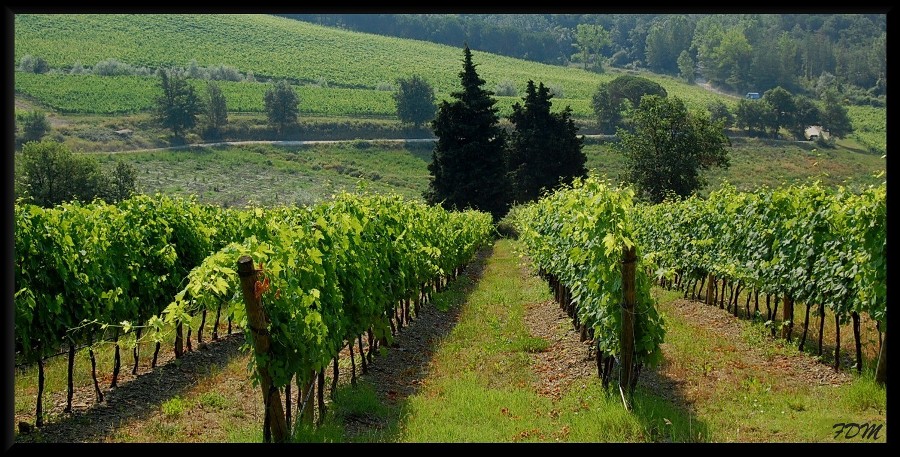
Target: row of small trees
(179, 106)
(779, 109)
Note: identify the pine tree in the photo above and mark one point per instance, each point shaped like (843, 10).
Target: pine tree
(544, 151)
(467, 164)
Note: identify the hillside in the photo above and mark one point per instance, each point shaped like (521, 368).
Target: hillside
(337, 72)
(273, 47)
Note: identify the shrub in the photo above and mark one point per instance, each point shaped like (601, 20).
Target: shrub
(506, 88)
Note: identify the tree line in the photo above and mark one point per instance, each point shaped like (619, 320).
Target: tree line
(776, 110)
(737, 52)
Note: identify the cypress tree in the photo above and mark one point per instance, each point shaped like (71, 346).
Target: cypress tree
(467, 166)
(544, 151)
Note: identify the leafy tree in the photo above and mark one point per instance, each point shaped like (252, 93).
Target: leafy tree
(590, 39)
(632, 88)
(415, 100)
(723, 51)
(686, 67)
(544, 150)
(834, 116)
(121, 184)
(609, 113)
(666, 41)
(784, 108)
(51, 174)
(670, 147)
(757, 116)
(718, 111)
(216, 110)
(178, 106)
(607, 100)
(34, 125)
(807, 113)
(733, 58)
(282, 106)
(467, 166)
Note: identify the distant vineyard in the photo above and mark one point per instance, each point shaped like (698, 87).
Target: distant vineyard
(91, 94)
(275, 47)
(270, 47)
(869, 127)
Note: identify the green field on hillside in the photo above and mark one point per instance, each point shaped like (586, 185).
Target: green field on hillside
(273, 47)
(338, 72)
(270, 47)
(92, 94)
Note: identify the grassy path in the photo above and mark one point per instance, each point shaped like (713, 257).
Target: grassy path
(513, 370)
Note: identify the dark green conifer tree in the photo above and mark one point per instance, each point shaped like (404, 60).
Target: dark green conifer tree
(467, 166)
(544, 151)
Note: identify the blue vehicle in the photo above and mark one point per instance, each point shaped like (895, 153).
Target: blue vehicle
(753, 96)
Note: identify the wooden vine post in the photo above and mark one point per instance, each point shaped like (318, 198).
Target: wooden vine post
(881, 368)
(256, 322)
(627, 338)
(787, 317)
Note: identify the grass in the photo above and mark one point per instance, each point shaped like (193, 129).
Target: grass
(756, 162)
(223, 406)
(214, 400)
(174, 407)
(350, 404)
(270, 175)
(25, 378)
(741, 403)
(479, 388)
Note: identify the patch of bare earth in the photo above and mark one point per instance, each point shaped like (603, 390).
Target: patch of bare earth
(136, 398)
(28, 105)
(793, 370)
(567, 360)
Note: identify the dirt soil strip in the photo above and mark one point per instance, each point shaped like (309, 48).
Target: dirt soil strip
(566, 360)
(136, 397)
